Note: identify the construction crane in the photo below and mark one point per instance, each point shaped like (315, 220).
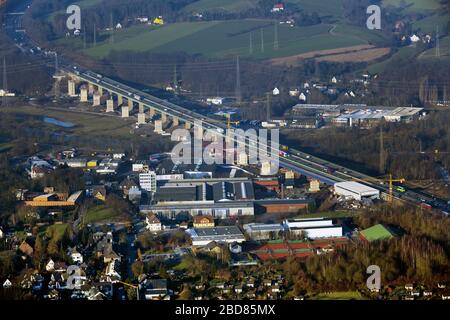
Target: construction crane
(229, 122)
(131, 286)
(389, 179)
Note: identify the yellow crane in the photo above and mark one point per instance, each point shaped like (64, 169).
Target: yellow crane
(229, 122)
(389, 179)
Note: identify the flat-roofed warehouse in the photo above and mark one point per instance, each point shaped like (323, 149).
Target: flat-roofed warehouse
(355, 190)
(203, 236)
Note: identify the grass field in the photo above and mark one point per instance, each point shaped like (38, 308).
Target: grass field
(56, 231)
(85, 124)
(430, 23)
(345, 295)
(414, 5)
(444, 51)
(323, 7)
(403, 53)
(101, 214)
(218, 39)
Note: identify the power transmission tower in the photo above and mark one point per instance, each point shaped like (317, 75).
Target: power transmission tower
(268, 108)
(438, 49)
(382, 157)
(5, 84)
(175, 78)
(275, 42)
(262, 40)
(251, 43)
(84, 37)
(95, 35)
(238, 81)
(111, 38)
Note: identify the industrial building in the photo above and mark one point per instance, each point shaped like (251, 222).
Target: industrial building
(261, 231)
(203, 236)
(218, 210)
(313, 228)
(355, 190)
(147, 181)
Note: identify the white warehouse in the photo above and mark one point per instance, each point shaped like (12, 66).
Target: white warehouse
(314, 227)
(355, 190)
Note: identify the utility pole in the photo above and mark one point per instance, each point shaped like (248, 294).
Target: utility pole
(382, 157)
(95, 35)
(84, 37)
(175, 78)
(5, 84)
(262, 40)
(268, 108)
(238, 82)
(438, 49)
(251, 43)
(275, 42)
(111, 38)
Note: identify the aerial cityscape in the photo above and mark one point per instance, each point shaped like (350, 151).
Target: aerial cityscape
(224, 150)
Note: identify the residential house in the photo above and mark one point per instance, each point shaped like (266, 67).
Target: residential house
(39, 171)
(153, 223)
(279, 7)
(99, 192)
(154, 288)
(50, 266)
(75, 256)
(7, 284)
(26, 249)
(275, 91)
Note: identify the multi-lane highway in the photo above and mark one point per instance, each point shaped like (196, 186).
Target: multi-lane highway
(292, 159)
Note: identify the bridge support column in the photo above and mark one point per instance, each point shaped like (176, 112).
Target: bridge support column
(125, 112)
(152, 112)
(100, 90)
(163, 117)
(71, 88)
(141, 118)
(91, 88)
(84, 94)
(141, 107)
(110, 105)
(130, 105)
(119, 100)
(96, 101)
(187, 125)
(175, 122)
(158, 126)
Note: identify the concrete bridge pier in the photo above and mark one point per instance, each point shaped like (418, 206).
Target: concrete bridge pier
(141, 107)
(152, 112)
(163, 117)
(96, 100)
(100, 90)
(125, 112)
(84, 94)
(130, 105)
(110, 105)
(119, 100)
(71, 88)
(175, 122)
(141, 118)
(91, 89)
(187, 126)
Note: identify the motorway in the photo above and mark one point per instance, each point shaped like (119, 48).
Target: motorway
(295, 160)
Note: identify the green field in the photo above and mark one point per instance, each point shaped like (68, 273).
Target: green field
(219, 39)
(414, 5)
(345, 295)
(85, 124)
(430, 23)
(444, 49)
(56, 231)
(102, 214)
(323, 7)
(403, 53)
